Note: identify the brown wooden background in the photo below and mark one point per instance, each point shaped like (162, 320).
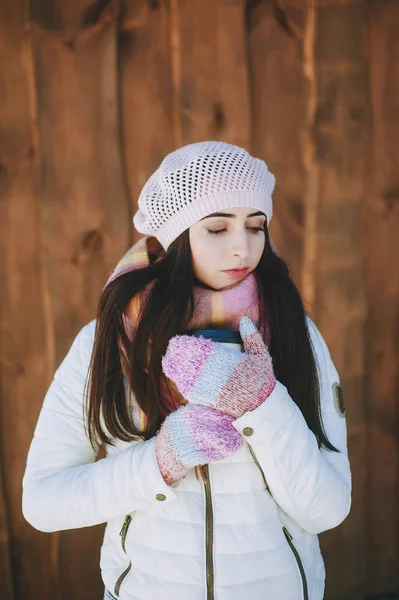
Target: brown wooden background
(92, 95)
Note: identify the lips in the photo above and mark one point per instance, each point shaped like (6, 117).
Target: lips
(236, 273)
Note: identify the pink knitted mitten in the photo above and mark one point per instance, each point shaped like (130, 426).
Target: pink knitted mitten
(209, 374)
(191, 436)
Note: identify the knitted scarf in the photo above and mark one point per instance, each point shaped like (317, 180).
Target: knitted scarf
(213, 309)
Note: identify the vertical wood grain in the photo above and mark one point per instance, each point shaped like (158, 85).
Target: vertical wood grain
(146, 92)
(340, 137)
(25, 344)
(211, 83)
(84, 211)
(6, 572)
(381, 251)
(84, 202)
(279, 95)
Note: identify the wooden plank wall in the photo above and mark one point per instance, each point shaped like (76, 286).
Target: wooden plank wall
(381, 252)
(92, 95)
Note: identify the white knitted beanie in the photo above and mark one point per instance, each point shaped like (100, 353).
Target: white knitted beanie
(198, 180)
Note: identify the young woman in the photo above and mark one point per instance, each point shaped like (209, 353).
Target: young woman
(222, 466)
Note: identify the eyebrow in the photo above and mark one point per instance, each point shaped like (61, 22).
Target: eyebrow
(233, 216)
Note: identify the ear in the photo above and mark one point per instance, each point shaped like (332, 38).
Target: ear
(252, 339)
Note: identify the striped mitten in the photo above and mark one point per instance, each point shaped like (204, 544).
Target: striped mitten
(207, 373)
(191, 436)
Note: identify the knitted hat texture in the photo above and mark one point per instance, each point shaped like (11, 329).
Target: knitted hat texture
(198, 180)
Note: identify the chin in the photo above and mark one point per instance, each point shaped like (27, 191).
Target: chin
(216, 285)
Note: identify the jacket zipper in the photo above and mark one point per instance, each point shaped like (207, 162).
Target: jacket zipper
(123, 534)
(208, 534)
(286, 533)
(299, 563)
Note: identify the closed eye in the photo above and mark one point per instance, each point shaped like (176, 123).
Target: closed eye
(217, 231)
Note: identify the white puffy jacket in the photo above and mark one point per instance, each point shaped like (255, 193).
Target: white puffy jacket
(248, 533)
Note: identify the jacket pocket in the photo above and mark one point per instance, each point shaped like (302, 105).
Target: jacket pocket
(295, 552)
(287, 534)
(123, 534)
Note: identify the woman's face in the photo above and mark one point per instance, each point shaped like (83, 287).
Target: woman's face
(227, 245)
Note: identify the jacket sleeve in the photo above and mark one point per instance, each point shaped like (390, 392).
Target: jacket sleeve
(64, 487)
(311, 485)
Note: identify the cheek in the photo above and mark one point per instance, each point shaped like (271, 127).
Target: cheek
(199, 251)
(204, 257)
(258, 246)
(258, 242)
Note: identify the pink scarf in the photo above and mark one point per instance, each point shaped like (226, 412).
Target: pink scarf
(217, 309)
(213, 309)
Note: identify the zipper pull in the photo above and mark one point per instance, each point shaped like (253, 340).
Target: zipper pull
(125, 525)
(287, 532)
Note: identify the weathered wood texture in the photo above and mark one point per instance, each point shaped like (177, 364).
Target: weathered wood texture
(6, 574)
(26, 353)
(339, 135)
(85, 213)
(381, 257)
(146, 91)
(279, 97)
(92, 96)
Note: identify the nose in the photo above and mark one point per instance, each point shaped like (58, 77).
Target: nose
(240, 246)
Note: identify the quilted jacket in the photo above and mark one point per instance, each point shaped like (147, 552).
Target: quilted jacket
(247, 532)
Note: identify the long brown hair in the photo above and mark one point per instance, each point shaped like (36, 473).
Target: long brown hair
(166, 313)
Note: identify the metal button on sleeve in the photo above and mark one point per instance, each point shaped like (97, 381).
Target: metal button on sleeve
(161, 497)
(247, 431)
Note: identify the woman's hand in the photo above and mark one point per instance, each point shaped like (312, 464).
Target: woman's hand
(192, 436)
(209, 374)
